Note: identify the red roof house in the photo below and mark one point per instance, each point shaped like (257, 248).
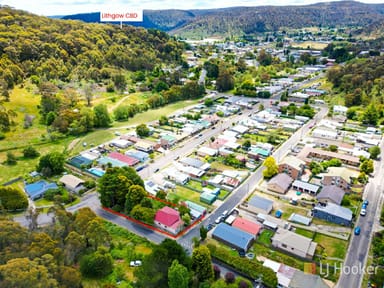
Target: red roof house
(130, 161)
(247, 226)
(169, 220)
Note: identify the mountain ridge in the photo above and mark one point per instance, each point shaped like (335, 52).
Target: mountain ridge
(243, 20)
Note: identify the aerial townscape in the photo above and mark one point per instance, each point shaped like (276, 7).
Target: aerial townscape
(236, 147)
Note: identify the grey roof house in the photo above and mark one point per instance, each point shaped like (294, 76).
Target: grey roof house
(332, 194)
(258, 205)
(333, 213)
(294, 243)
(280, 183)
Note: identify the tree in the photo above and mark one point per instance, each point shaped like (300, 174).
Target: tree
(264, 58)
(97, 264)
(142, 130)
(178, 275)
(367, 166)
(12, 198)
(143, 214)
(203, 233)
(88, 94)
(114, 184)
(186, 219)
(102, 118)
(247, 144)
(52, 162)
(374, 152)
(11, 159)
(30, 152)
(25, 273)
(135, 195)
(315, 167)
(75, 244)
(208, 102)
(120, 82)
(271, 167)
(333, 148)
(163, 120)
(202, 263)
(225, 81)
(371, 115)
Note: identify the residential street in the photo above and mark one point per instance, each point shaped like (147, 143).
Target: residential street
(359, 245)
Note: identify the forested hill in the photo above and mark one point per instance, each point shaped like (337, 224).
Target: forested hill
(248, 20)
(66, 50)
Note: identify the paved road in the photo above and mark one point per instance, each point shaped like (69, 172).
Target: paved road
(249, 184)
(359, 246)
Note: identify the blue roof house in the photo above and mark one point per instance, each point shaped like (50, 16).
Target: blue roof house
(36, 190)
(233, 237)
(333, 213)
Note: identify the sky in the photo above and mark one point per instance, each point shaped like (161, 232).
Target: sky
(67, 7)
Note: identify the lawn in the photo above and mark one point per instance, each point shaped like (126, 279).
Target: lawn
(265, 237)
(94, 138)
(333, 247)
(152, 115)
(309, 44)
(304, 232)
(184, 193)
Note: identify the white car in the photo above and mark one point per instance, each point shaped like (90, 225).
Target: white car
(135, 263)
(363, 212)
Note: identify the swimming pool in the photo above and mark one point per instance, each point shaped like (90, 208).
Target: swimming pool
(96, 171)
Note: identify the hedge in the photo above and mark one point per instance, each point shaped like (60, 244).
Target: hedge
(251, 268)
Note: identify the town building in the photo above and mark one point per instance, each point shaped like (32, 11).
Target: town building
(168, 219)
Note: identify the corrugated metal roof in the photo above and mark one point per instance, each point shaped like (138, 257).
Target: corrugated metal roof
(233, 236)
(261, 203)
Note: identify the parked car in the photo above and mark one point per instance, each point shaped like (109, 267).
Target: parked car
(364, 206)
(363, 212)
(156, 170)
(366, 202)
(357, 230)
(218, 219)
(225, 213)
(293, 202)
(135, 263)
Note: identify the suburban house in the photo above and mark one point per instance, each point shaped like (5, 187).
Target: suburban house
(331, 194)
(294, 243)
(208, 198)
(139, 155)
(169, 220)
(196, 163)
(339, 109)
(121, 143)
(305, 187)
(293, 166)
(258, 205)
(206, 151)
(128, 160)
(280, 183)
(289, 277)
(341, 177)
(298, 97)
(333, 213)
(326, 133)
(307, 154)
(37, 190)
(175, 175)
(72, 183)
(167, 141)
(247, 226)
(144, 146)
(233, 237)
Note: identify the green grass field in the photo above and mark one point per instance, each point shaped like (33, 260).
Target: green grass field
(333, 247)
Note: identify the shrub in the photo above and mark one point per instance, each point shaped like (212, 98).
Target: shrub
(229, 278)
(216, 272)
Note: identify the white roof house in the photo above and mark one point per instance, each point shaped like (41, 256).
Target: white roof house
(324, 133)
(339, 109)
